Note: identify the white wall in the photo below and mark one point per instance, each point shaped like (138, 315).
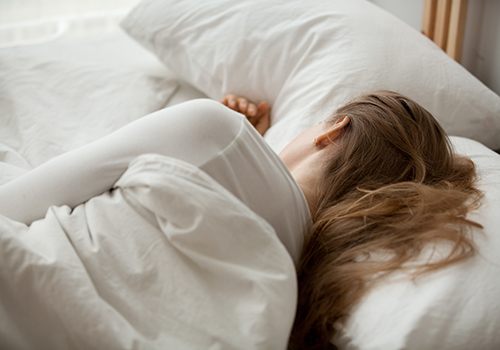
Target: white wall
(487, 63)
(14, 11)
(409, 11)
(481, 48)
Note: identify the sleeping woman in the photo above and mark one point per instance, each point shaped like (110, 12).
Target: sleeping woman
(379, 175)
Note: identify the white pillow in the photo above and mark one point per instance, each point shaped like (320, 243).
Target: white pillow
(308, 57)
(457, 308)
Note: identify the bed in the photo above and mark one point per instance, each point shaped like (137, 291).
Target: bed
(80, 78)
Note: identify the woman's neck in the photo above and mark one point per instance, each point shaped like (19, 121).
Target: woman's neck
(306, 174)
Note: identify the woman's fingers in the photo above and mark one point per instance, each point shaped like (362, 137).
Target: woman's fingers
(251, 110)
(242, 105)
(264, 117)
(232, 102)
(258, 115)
(239, 104)
(263, 108)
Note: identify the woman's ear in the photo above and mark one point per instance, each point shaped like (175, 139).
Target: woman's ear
(332, 132)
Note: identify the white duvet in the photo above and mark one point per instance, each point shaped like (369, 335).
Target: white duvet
(148, 265)
(167, 260)
(50, 105)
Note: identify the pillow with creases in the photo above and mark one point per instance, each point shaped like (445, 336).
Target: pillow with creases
(309, 57)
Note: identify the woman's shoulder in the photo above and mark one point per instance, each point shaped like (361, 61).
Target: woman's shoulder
(253, 172)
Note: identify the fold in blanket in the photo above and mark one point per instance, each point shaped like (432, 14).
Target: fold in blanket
(167, 259)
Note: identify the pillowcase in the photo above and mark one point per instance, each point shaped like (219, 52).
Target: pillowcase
(309, 57)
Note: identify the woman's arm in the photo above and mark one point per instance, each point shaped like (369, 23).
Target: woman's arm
(192, 131)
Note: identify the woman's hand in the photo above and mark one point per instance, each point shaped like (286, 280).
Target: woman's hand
(259, 115)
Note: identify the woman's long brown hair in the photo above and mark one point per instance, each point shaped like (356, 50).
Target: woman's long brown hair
(394, 186)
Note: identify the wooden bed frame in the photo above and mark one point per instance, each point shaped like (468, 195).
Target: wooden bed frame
(444, 23)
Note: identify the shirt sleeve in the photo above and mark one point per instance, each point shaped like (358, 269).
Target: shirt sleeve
(193, 131)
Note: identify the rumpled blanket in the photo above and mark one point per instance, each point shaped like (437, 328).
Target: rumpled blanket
(167, 259)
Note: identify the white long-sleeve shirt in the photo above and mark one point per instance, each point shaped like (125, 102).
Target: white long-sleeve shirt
(202, 132)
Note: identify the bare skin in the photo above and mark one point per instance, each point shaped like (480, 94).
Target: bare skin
(305, 155)
(258, 114)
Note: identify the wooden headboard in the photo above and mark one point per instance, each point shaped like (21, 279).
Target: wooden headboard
(444, 23)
